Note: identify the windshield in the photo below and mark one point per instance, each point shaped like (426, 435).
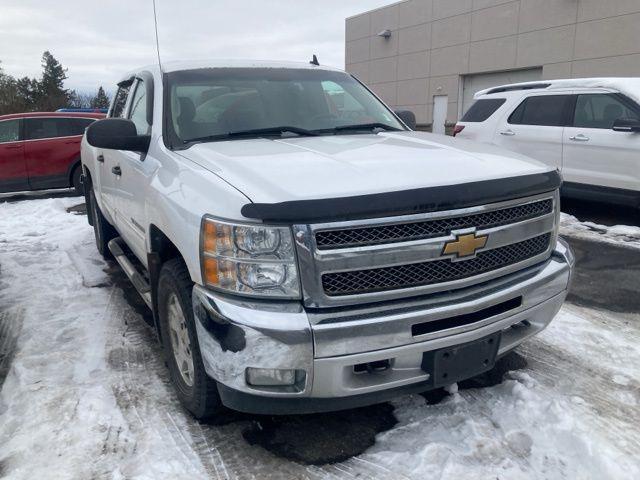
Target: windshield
(216, 103)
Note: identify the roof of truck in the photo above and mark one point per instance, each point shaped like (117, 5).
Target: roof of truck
(176, 66)
(237, 63)
(628, 85)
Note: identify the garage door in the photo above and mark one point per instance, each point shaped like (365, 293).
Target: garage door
(480, 81)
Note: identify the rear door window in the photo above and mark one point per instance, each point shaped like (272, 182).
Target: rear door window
(544, 110)
(601, 110)
(9, 131)
(38, 128)
(482, 109)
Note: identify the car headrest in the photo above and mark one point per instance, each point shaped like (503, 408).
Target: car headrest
(187, 109)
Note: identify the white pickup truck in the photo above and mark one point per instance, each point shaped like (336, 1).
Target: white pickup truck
(304, 250)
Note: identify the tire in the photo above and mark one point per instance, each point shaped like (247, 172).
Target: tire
(76, 182)
(197, 392)
(102, 230)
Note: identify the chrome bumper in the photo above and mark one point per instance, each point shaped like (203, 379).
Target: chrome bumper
(324, 347)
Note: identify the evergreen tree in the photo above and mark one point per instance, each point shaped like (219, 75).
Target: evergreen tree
(28, 94)
(15, 95)
(45, 94)
(51, 93)
(101, 100)
(8, 93)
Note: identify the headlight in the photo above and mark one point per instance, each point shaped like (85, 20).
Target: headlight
(249, 259)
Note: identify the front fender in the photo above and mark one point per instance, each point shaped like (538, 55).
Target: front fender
(180, 194)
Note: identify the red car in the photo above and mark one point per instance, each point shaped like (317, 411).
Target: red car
(42, 150)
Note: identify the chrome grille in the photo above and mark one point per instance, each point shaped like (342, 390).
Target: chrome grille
(427, 273)
(404, 232)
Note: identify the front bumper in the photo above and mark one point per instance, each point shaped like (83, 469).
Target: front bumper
(323, 347)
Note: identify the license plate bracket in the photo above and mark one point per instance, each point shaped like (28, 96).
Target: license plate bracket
(459, 362)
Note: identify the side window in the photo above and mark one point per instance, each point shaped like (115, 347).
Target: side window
(483, 109)
(120, 101)
(601, 110)
(9, 131)
(138, 113)
(79, 125)
(42, 127)
(544, 110)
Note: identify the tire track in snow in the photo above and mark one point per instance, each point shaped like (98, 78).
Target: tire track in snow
(137, 379)
(146, 397)
(220, 451)
(10, 325)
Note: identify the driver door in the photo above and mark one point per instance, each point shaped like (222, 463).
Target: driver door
(108, 160)
(136, 170)
(595, 154)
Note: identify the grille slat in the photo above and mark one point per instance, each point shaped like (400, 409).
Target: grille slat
(404, 232)
(427, 273)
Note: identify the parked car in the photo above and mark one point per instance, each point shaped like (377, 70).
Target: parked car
(301, 254)
(42, 150)
(588, 128)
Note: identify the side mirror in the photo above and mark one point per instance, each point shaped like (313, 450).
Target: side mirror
(626, 125)
(408, 117)
(117, 134)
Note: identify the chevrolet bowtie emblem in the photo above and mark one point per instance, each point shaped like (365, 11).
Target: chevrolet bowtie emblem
(465, 245)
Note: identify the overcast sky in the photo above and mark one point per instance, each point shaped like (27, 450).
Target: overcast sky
(100, 41)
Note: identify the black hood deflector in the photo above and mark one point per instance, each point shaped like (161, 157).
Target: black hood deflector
(406, 202)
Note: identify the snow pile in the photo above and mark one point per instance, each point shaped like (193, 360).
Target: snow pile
(620, 234)
(555, 419)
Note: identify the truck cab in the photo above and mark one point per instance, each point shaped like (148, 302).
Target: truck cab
(303, 249)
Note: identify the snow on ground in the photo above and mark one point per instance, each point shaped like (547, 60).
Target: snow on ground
(573, 413)
(625, 235)
(87, 394)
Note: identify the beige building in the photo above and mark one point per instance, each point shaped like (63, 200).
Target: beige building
(431, 56)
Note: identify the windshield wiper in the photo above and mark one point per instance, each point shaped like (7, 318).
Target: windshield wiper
(363, 126)
(256, 132)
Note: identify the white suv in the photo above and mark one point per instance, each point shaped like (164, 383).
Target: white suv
(588, 128)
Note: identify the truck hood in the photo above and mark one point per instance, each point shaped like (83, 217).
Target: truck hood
(308, 168)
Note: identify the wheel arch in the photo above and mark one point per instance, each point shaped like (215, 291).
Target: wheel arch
(162, 249)
(88, 184)
(76, 163)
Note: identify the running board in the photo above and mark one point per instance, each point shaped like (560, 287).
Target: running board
(116, 247)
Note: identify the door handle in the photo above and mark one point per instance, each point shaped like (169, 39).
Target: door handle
(116, 171)
(100, 158)
(72, 142)
(508, 133)
(13, 147)
(579, 138)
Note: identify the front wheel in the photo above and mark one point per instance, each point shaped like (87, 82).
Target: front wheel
(196, 390)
